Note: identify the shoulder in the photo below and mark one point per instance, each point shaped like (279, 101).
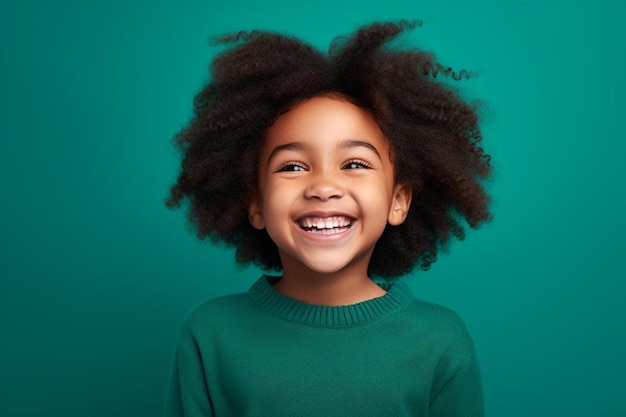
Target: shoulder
(215, 311)
(436, 326)
(426, 314)
(213, 318)
(441, 318)
(438, 315)
(443, 334)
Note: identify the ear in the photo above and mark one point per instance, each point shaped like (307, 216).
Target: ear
(255, 211)
(400, 204)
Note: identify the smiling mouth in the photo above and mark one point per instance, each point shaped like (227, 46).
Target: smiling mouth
(325, 225)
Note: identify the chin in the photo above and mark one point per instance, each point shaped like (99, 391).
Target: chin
(326, 267)
(325, 263)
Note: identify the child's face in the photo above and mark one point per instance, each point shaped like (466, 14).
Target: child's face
(326, 186)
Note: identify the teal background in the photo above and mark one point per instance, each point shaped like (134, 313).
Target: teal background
(96, 275)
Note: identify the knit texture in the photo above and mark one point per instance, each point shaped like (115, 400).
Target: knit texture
(264, 354)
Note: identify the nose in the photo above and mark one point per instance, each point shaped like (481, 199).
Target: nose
(324, 187)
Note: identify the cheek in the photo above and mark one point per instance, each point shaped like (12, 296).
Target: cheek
(378, 200)
(276, 199)
(378, 191)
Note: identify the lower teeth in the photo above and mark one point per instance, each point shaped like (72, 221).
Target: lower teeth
(327, 231)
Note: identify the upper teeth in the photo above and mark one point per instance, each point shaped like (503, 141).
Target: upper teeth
(325, 222)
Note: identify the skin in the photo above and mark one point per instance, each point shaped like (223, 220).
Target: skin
(326, 192)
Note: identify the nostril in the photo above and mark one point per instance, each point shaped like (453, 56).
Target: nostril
(324, 191)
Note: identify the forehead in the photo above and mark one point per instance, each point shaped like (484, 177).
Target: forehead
(325, 120)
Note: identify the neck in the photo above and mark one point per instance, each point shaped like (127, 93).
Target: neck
(333, 289)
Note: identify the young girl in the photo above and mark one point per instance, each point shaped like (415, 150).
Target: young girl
(333, 170)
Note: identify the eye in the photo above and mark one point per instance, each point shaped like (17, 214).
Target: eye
(356, 164)
(291, 167)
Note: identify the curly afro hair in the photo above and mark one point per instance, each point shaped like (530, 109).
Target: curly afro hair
(433, 133)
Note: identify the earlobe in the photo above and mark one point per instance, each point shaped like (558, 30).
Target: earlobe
(255, 212)
(400, 205)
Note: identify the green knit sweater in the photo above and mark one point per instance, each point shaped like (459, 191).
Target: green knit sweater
(264, 354)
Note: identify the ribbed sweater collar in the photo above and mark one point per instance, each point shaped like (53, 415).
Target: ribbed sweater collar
(398, 295)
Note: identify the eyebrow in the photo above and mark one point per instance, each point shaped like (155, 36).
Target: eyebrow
(298, 146)
(352, 143)
(293, 146)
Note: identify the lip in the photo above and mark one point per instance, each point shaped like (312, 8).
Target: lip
(321, 213)
(324, 237)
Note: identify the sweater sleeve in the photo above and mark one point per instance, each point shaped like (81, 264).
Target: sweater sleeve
(188, 394)
(461, 395)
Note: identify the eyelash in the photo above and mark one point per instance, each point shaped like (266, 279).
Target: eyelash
(291, 167)
(297, 166)
(359, 162)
